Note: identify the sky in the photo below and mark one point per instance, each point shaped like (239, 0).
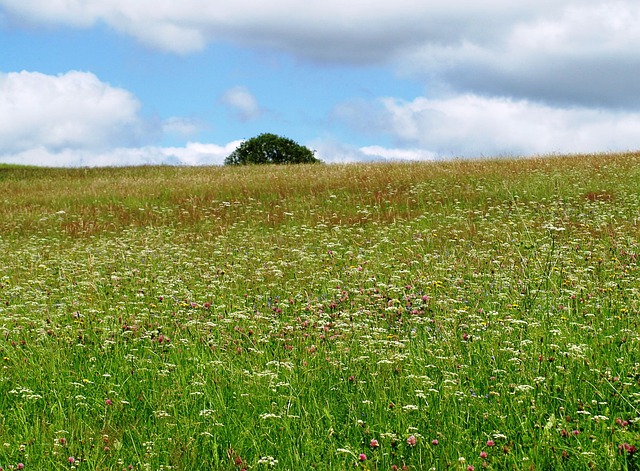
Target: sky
(183, 82)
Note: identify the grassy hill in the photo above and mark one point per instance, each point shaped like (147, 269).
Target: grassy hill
(458, 315)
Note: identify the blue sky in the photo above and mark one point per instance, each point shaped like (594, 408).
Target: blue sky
(115, 82)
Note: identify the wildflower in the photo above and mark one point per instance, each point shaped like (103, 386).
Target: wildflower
(483, 454)
(268, 460)
(374, 443)
(411, 441)
(71, 460)
(434, 442)
(20, 466)
(631, 449)
(161, 414)
(491, 443)
(108, 402)
(269, 415)
(362, 457)
(470, 468)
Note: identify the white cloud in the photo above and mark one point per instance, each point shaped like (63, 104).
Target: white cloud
(525, 77)
(74, 119)
(379, 152)
(583, 55)
(329, 29)
(332, 151)
(474, 126)
(73, 110)
(181, 126)
(242, 103)
(193, 153)
(557, 51)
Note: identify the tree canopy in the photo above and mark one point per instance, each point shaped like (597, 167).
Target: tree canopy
(270, 149)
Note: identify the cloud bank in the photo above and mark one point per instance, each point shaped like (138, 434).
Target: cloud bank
(582, 54)
(472, 125)
(74, 110)
(74, 119)
(193, 153)
(557, 51)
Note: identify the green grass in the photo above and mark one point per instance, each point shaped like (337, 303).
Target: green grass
(458, 314)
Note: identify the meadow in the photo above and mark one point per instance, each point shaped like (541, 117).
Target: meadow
(457, 315)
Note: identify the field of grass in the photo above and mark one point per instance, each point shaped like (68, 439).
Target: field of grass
(461, 315)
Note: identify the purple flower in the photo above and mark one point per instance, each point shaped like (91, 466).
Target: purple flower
(631, 449)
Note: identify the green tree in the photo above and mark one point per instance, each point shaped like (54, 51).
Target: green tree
(270, 149)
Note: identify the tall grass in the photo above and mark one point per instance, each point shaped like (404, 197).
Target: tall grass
(451, 315)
